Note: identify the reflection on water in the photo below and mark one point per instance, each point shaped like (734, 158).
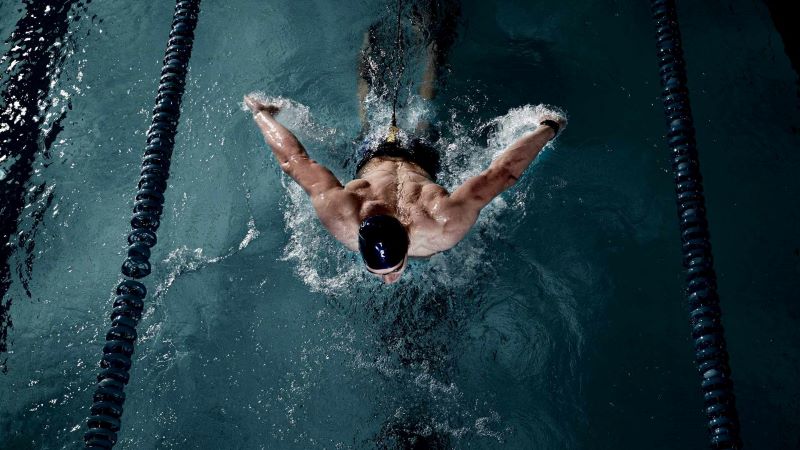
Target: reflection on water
(34, 101)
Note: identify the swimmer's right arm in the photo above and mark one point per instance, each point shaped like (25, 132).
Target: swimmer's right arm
(336, 208)
(313, 177)
(504, 171)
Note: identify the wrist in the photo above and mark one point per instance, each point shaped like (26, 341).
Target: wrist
(553, 125)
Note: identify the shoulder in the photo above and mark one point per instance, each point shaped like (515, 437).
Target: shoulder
(432, 195)
(434, 190)
(338, 211)
(442, 225)
(339, 204)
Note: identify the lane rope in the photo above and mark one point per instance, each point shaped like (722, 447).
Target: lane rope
(711, 356)
(104, 421)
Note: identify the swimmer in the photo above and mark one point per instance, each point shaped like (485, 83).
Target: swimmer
(394, 209)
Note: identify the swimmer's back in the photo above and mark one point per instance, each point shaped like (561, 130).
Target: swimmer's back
(403, 189)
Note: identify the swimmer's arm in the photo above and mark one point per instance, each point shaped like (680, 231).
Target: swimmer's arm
(461, 209)
(504, 171)
(338, 212)
(336, 208)
(292, 157)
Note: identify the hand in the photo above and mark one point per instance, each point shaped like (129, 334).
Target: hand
(257, 105)
(547, 112)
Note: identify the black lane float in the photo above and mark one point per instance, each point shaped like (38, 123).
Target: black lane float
(711, 356)
(109, 396)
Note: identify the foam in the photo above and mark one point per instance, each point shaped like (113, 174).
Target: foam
(296, 117)
(185, 260)
(517, 121)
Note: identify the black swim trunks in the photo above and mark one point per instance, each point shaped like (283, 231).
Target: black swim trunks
(414, 150)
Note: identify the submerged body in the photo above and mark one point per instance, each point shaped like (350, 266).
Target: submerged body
(434, 219)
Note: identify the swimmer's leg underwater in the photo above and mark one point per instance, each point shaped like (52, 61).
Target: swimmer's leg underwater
(435, 25)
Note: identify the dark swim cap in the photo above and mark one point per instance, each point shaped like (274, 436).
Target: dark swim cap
(382, 241)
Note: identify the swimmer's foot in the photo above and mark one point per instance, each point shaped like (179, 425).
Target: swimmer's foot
(257, 105)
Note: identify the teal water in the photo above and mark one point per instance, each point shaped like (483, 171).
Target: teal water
(557, 324)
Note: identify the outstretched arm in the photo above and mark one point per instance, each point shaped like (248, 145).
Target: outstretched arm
(314, 178)
(504, 171)
(336, 208)
(465, 203)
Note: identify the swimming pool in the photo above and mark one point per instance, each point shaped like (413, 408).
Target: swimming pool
(558, 322)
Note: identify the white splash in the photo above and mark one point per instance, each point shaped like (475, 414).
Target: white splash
(322, 263)
(518, 121)
(252, 234)
(184, 260)
(296, 117)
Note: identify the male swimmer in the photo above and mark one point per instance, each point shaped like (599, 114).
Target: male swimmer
(394, 209)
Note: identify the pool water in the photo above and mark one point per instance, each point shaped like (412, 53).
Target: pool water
(558, 323)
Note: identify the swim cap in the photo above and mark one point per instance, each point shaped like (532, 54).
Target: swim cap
(382, 241)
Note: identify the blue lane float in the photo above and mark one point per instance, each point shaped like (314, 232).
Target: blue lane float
(104, 421)
(711, 356)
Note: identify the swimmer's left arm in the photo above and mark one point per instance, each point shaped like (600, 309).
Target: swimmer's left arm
(460, 210)
(503, 172)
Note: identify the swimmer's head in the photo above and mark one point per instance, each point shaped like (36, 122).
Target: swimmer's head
(383, 243)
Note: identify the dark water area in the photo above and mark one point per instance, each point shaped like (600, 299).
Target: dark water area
(32, 62)
(559, 323)
(783, 18)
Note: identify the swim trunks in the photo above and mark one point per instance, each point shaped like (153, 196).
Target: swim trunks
(413, 150)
